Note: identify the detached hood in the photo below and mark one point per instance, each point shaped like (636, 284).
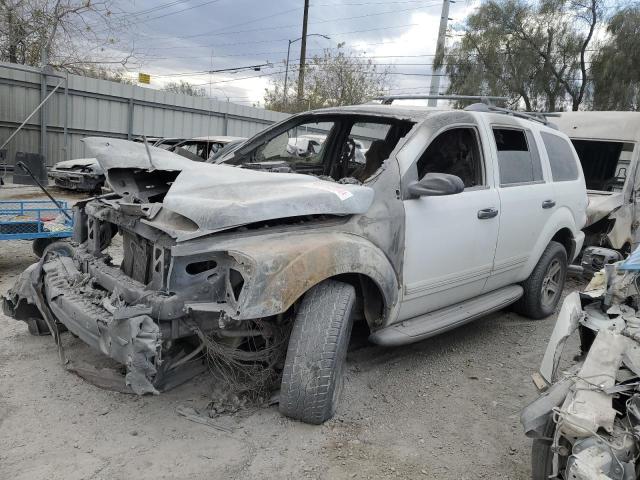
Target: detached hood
(602, 204)
(113, 153)
(218, 197)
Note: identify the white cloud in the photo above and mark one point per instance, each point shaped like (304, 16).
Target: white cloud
(415, 45)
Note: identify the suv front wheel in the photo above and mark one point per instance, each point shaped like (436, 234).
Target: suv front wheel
(543, 288)
(313, 372)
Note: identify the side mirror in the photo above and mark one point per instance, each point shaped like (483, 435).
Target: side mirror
(436, 185)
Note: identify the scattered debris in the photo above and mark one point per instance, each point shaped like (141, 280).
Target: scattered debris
(586, 424)
(192, 414)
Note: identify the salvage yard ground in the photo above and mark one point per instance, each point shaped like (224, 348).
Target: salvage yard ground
(445, 408)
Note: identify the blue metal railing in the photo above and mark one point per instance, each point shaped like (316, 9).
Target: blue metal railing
(26, 220)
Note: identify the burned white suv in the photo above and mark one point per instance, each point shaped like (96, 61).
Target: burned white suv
(454, 214)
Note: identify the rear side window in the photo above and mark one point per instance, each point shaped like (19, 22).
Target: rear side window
(517, 157)
(561, 159)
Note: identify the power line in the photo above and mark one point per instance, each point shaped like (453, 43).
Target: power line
(238, 79)
(152, 9)
(333, 20)
(139, 12)
(221, 31)
(216, 82)
(267, 65)
(343, 4)
(222, 70)
(209, 2)
(258, 54)
(285, 39)
(179, 11)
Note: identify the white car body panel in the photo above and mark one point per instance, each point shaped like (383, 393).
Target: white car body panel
(452, 256)
(441, 265)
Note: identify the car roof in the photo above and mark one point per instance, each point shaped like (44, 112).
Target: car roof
(616, 126)
(216, 138)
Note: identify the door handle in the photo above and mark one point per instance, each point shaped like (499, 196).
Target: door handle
(548, 204)
(487, 213)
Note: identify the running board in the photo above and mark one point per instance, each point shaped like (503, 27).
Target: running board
(434, 323)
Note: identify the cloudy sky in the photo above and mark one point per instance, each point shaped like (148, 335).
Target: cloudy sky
(176, 40)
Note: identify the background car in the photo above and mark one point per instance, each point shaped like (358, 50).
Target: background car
(203, 148)
(81, 174)
(228, 148)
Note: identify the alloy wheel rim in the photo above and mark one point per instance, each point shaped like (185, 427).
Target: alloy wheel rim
(551, 284)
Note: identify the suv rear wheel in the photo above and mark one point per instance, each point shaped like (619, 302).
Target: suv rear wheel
(543, 288)
(313, 373)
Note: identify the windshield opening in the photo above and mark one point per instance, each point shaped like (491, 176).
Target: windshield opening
(344, 150)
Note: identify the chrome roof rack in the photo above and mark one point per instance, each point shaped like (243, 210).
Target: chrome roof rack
(485, 103)
(540, 117)
(487, 100)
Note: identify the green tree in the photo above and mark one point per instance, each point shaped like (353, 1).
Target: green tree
(616, 67)
(331, 79)
(534, 53)
(185, 88)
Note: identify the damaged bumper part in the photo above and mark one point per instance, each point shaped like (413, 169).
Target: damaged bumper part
(194, 276)
(588, 422)
(146, 330)
(125, 333)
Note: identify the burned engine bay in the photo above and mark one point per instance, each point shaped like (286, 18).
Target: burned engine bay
(207, 253)
(586, 424)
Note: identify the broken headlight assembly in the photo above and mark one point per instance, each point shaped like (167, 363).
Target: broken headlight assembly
(217, 278)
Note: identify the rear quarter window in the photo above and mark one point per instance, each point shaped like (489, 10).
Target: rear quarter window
(518, 157)
(561, 158)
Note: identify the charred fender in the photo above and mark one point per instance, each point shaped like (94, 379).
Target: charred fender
(278, 269)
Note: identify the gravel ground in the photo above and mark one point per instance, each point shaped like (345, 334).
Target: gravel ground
(445, 408)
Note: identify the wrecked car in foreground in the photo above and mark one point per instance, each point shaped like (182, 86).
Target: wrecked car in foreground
(586, 424)
(270, 256)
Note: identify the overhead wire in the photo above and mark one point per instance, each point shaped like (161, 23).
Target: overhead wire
(333, 20)
(191, 7)
(225, 31)
(283, 39)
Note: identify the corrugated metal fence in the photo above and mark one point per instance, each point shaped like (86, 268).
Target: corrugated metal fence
(86, 107)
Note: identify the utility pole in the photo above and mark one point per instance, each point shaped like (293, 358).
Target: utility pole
(303, 51)
(442, 35)
(286, 71)
(44, 60)
(286, 77)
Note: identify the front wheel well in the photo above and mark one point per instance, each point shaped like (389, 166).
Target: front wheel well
(370, 298)
(565, 238)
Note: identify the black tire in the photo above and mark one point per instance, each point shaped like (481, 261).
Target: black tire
(541, 454)
(39, 244)
(313, 374)
(534, 303)
(38, 327)
(60, 247)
